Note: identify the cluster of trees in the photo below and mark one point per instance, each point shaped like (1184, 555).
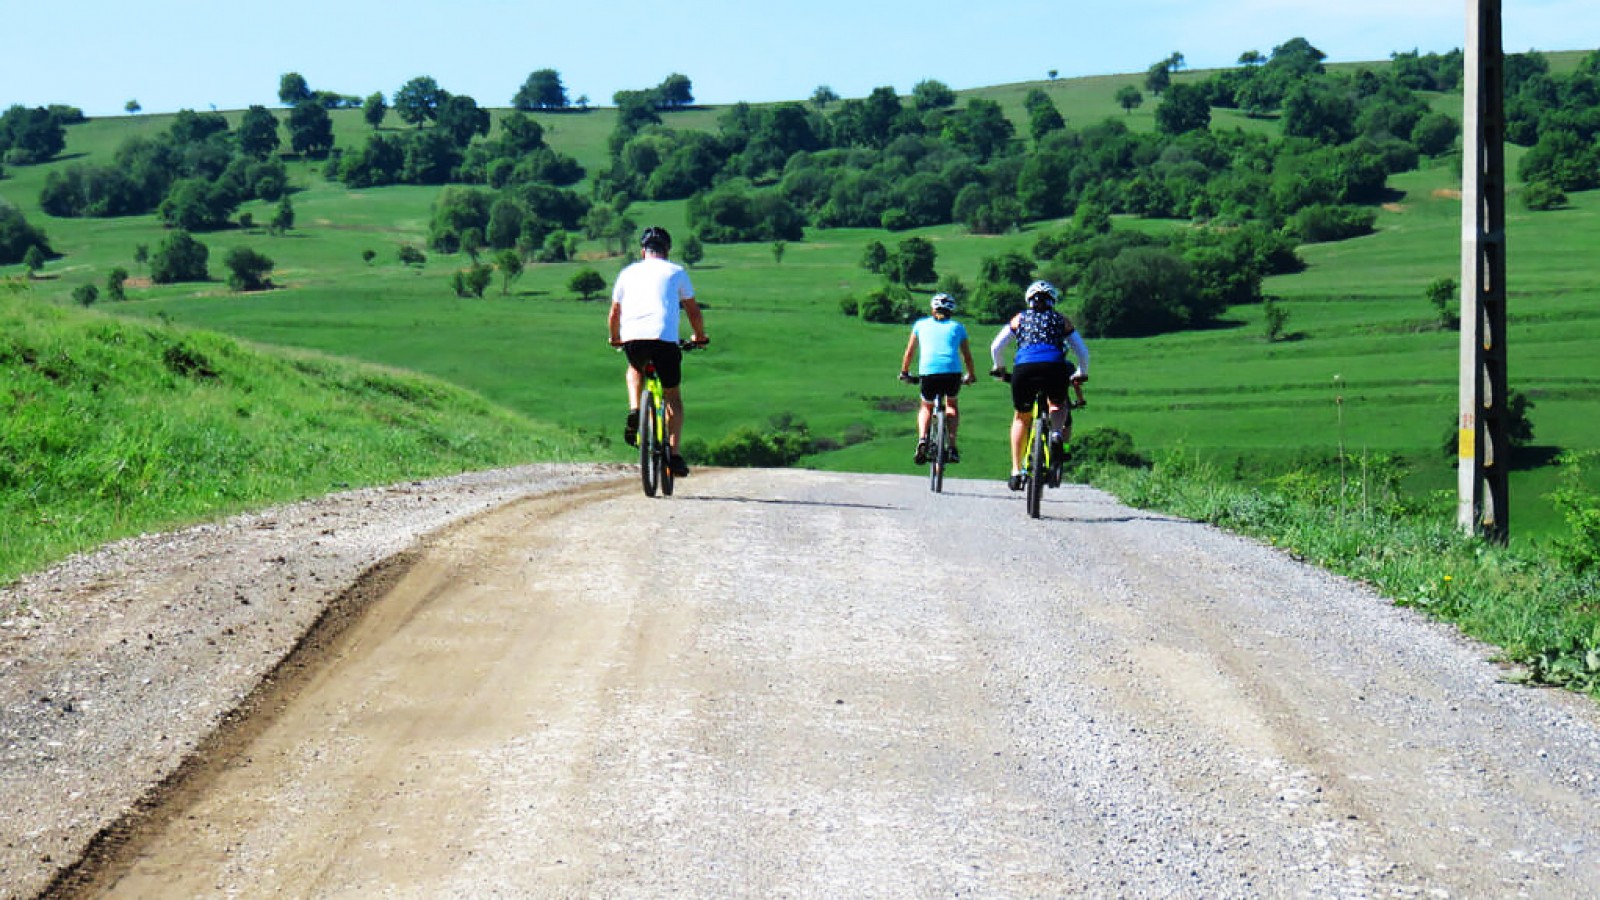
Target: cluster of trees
(17, 237)
(194, 175)
(30, 136)
(1558, 118)
(457, 150)
(900, 163)
(534, 219)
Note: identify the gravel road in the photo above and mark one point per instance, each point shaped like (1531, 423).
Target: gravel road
(784, 683)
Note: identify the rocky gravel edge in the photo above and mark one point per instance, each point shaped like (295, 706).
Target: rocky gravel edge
(116, 665)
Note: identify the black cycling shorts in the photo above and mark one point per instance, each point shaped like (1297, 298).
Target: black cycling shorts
(948, 384)
(667, 356)
(1028, 379)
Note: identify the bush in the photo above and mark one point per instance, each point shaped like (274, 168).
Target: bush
(247, 269)
(887, 305)
(179, 258)
(1324, 222)
(783, 442)
(1541, 196)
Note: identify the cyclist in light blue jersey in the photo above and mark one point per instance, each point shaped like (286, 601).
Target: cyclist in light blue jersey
(943, 344)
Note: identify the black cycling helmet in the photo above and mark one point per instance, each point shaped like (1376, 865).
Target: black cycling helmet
(1042, 295)
(655, 238)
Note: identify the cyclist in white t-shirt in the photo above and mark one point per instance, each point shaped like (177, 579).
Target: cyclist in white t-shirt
(645, 305)
(944, 346)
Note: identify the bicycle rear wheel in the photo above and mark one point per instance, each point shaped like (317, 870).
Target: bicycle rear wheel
(649, 458)
(1036, 465)
(664, 461)
(937, 448)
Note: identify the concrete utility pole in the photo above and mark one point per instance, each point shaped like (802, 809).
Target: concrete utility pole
(1484, 454)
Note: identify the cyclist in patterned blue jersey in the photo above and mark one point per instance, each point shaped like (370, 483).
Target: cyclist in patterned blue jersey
(1043, 335)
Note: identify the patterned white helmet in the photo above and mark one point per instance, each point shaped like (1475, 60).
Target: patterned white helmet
(942, 302)
(1042, 295)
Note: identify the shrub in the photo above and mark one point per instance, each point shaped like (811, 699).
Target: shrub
(1325, 222)
(248, 269)
(179, 258)
(887, 305)
(1541, 196)
(1578, 549)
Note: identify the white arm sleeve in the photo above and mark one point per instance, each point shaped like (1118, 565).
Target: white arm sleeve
(999, 344)
(1081, 351)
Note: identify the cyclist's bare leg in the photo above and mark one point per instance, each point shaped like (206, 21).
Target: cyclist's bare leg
(952, 417)
(635, 385)
(924, 415)
(674, 398)
(1021, 425)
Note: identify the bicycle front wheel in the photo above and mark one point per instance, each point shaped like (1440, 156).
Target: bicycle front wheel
(1037, 448)
(937, 449)
(649, 457)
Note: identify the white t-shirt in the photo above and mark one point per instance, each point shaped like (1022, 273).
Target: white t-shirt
(650, 293)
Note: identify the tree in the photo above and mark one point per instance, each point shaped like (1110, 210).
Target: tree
(258, 133)
(874, 257)
(29, 136)
(132, 107)
(822, 96)
(33, 260)
(85, 295)
(912, 262)
(1158, 78)
(374, 110)
(411, 256)
(283, 217)
(1141, 292)
(778, 247)
(675, 92)
(117, 284)
(1184, 109)
(511, 268)
(1275, 318)
(460, 117)
(478, 278)
(693, 251)
(1442, 297)
(292, 89)
(310, 130)
(417, 101)
(368, 255)
(141, 254)
(1129, 98)
(17, 237)
(930, 93)
(179, 258)
(586, 283)
(542, 90)
(247, 270)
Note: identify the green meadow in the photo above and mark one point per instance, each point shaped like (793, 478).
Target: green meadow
(1364, 367)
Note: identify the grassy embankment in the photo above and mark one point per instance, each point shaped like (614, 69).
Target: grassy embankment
(115, 427)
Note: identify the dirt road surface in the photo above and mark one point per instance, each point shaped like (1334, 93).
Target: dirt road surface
(804, 684)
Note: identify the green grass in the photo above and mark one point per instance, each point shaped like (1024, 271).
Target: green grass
(780, 345)
(116, 427)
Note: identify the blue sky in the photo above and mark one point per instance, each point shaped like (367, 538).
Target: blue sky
(196, 54)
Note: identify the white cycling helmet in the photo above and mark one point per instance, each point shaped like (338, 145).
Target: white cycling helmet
(1042, 295)
(942, 302)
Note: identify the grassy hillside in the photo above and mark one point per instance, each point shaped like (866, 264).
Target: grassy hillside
(114, 427)
(1365, 368)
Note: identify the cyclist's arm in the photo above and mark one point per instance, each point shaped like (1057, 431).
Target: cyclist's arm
(966, 354)
(614, 323)
(911, 348)
(1081, 351)
(1005, 337)
(696, 320)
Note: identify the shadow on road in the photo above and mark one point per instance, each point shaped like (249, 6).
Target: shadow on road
(792, 502)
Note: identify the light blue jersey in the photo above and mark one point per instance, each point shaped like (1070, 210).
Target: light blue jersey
(939, 344)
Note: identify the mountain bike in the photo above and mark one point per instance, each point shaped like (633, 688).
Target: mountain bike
(1042, 465)
(655, 452)
(937, 438)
